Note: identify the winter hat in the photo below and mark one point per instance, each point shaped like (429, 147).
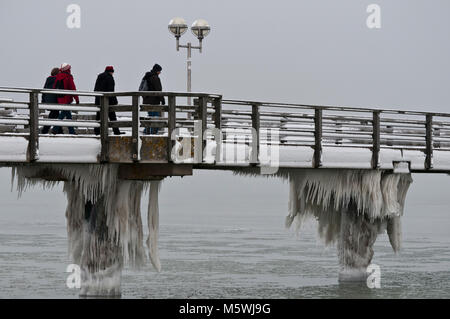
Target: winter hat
(157, 68)
(109, 69)
(65, 66)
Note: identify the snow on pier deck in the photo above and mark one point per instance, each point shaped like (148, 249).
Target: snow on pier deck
(220, 134)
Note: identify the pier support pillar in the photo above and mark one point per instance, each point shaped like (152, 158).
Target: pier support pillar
(101, 260)
(355, 244)
(104, 234)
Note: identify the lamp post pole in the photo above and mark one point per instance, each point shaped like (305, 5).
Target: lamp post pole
(189, 48)
(189, 75)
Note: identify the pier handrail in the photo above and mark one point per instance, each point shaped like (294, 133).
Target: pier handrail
(33, 106)
(315, 126)
(98, 93)
(335, 126)
(331, 107)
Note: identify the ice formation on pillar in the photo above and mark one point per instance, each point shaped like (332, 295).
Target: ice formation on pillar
(103, 221)
(352, 207)
(153, 224)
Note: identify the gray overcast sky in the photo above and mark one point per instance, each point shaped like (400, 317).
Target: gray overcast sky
(314, 51)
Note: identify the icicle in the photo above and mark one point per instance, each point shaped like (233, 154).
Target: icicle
(153, 224)
(394, 231)
(13, 177)
(294, 208)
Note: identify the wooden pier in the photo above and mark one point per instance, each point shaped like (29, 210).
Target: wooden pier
(294, 136)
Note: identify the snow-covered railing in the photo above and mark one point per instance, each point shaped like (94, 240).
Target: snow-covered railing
(315, 127)
(26, 113)
(173, 115)
(332, 126)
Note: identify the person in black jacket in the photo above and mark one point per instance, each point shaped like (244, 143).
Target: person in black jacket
(105, 83)
(50, 98)
(152, 82)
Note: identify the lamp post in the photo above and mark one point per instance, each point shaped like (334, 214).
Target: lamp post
(200, 28)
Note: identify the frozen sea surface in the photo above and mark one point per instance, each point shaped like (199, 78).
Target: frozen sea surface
(223, 236)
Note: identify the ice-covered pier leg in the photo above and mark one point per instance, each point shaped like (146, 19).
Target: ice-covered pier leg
(101, 261)
(105, 232)
(352, 207)
(91, 246)
(355, 242)
(104, 223)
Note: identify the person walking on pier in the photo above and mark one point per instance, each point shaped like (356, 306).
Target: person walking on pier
(64, 81)
(105, 83)
(50, 98)
(152, 82)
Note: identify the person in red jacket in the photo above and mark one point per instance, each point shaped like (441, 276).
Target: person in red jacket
(64, 81)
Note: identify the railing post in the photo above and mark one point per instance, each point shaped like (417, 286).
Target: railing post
(104, 112)
(218, 113)
(256, 126)
(376, 140)
(429, 141)
(135, 128)
(33, 142)
(317, 138)
(171, 124)
(202, 116)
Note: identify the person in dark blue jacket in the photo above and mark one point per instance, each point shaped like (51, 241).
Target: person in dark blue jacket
(105, 83)
(152, 82)
(50, 98)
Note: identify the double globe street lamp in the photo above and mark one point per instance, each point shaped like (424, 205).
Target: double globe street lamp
(200, 28)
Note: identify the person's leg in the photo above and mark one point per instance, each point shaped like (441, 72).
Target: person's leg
(71, 128)
(155, 130)
(113, 117)
(58, 129)
(147, 129)
(53, 115)
(150, 129)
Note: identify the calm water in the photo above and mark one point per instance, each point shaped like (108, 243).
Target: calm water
(222, 236)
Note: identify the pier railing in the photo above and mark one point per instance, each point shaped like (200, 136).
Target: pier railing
(23, 115)
(295, 124)
(334, 126)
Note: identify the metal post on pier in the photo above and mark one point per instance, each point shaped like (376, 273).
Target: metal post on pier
(375, 139)
(33, 142)
(135, 128)
(104, 126)
(218, 134)
(256, 126)
(218, 113)
(317, 138)
(429, 141)
(202, 116)
(189, 72)
(171, 124)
